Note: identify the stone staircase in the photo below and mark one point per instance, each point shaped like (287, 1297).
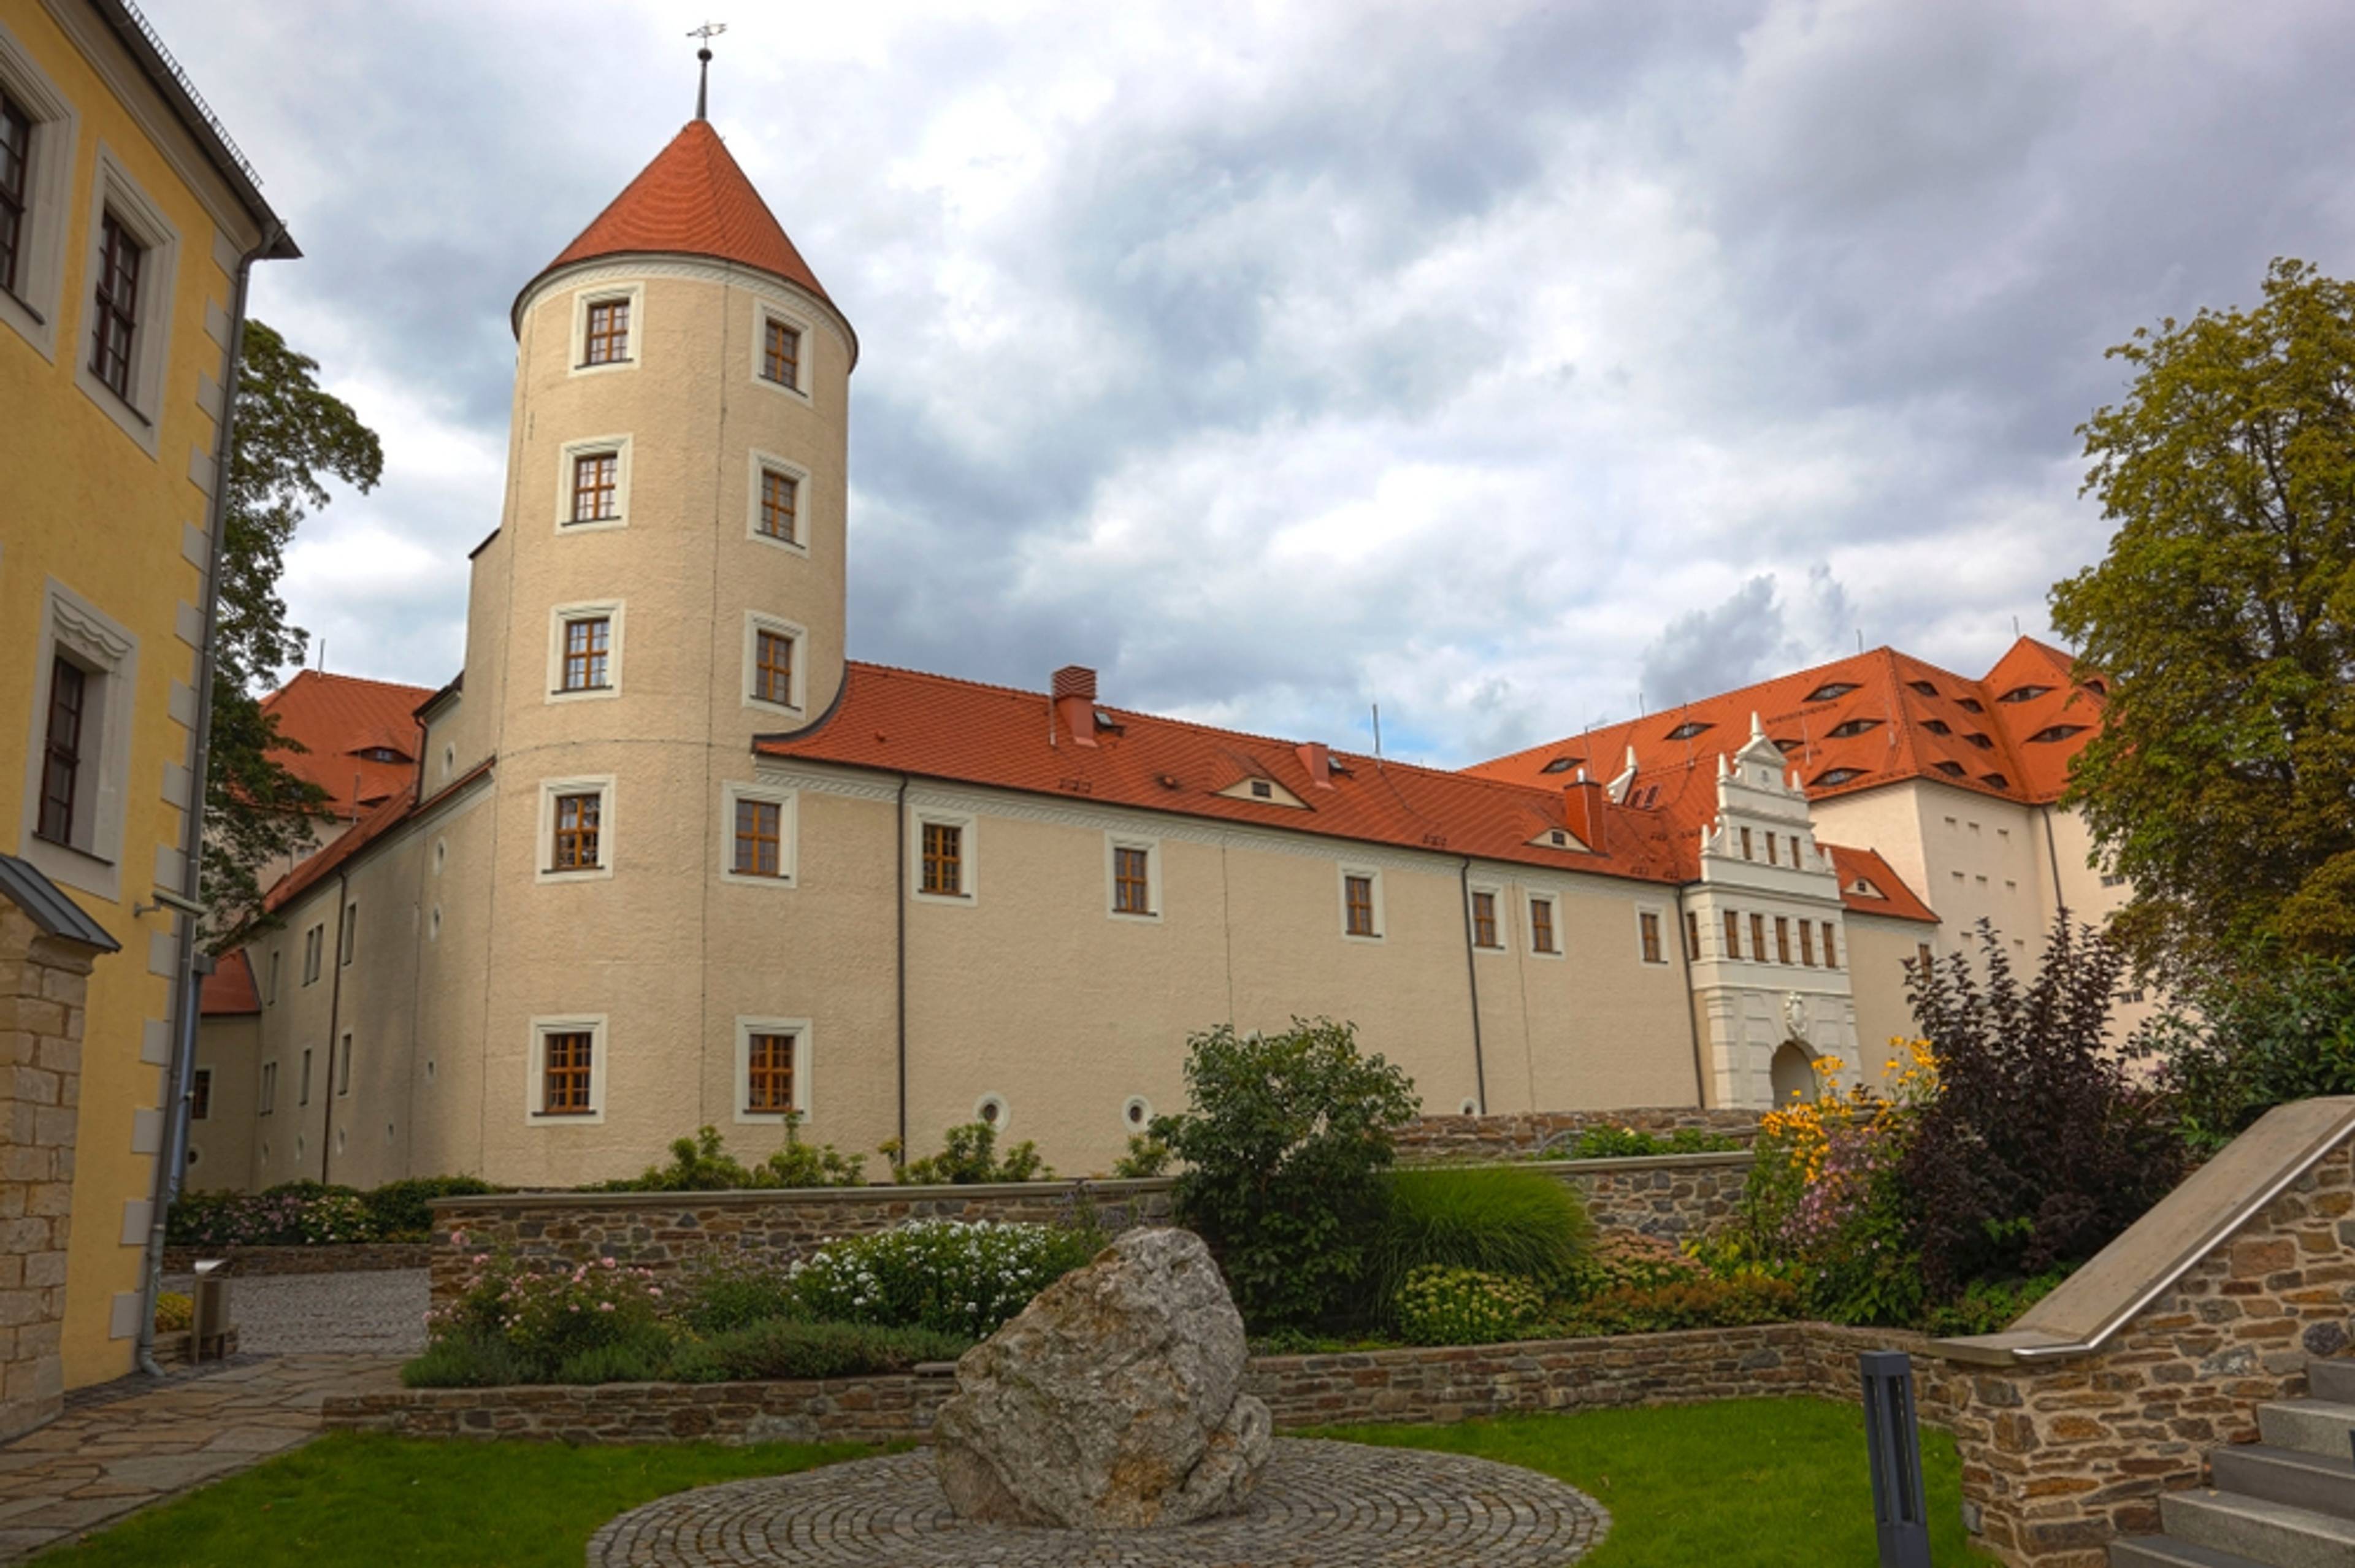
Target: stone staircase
(2288, 1502)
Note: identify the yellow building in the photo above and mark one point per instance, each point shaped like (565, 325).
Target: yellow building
(127, 224)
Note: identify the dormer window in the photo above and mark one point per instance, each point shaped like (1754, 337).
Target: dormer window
(1262, 790)
(1688, 730)
(780, 354)
(1952, 770)
(1923, 686)
(1830, 689)
(1938, 727)
(1981, 741)
(607, 340)
(379, 754)
(1786, 746)
(1997, 780)
(1854, 726)
(2097, 687)
(1837, 777)
(1970, 705)
(2024, 694)
(2053, 733)
(1562, 764)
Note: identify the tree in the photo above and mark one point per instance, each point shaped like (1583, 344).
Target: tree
(290, 435)
(2222, 782)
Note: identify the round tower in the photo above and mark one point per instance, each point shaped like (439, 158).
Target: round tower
(672, 556)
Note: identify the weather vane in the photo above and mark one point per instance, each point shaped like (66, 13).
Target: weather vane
(708, 31)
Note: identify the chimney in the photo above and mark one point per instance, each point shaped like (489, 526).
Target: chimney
(1581, 809)
(1319, 760)
(1075, 702)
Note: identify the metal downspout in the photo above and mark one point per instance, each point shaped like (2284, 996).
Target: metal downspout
(334, 1020)
(171, 1161)
(899, 948)
(1471, 975)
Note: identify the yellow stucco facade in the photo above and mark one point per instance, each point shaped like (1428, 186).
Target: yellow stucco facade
(106, 481)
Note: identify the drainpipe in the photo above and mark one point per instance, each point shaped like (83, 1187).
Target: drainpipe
(1472, 974)
(335, 1022)
(899, 948)
(171, 1161)
(1692, 1022)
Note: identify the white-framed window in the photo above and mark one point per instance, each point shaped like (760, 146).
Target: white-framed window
(941, 852)
(344, 1065)
(772, 1069)
(584, 651)
(265, 1100)
(200, 1095)
(77, 754)
(36, 174)
(576, 828)
(781, 349)
(270, 990)
(303, 1087)
(133, 256)
(775, 672)
(348, 938)
(778, 492)
(992, 1110)
(314, 943)
(1544, 912)
(762, 823)
(608, 325)
(1486, 914)
(567, 1062)
(593, 485)
(1361, 888)
(1652, 934)
(1133, 876)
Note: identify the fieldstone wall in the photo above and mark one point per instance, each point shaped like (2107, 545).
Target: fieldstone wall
(44, 985)
(1675, 1196)
(1521, 1136)
(362, 1257)
(2061, 1456)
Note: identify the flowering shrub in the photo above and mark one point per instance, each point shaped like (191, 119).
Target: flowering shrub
(300, 1213)
(944, 1275)
(726, 1291)
(1444, 1305)
(1699, 1303)
(1629, 1259)
(174, 1313)
(544, 1321)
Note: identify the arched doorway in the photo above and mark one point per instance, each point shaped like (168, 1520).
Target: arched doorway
(1792, 1072)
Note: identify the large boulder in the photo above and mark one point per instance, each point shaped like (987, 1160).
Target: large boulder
(1114, 1401)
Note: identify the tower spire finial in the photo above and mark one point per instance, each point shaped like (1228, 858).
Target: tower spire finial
(708, 31)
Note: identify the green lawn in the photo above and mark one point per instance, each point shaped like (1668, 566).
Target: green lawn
(1764, 1483)
(1768, 1483)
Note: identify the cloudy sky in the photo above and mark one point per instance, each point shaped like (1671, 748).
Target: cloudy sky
(1504, 364)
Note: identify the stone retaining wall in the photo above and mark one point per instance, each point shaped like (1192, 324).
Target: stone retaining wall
(363, 1257)
(1673, 1196)
(1520, 1136)
(1435, 1385)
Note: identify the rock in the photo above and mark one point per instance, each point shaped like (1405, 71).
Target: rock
(1114, 1401)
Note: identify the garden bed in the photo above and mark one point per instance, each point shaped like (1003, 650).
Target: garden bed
(1436, 1384)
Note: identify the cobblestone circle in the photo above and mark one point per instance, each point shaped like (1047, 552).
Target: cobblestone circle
(1317, 1505)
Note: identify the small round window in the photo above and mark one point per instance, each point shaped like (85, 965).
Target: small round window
(1470, 1108)
(1137, 1114)
(990, 1112)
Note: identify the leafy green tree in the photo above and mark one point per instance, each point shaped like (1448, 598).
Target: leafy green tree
(2240, 1043)
(2223, 783)
(1286, 1144)
(291, 436)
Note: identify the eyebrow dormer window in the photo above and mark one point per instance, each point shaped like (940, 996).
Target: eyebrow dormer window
(2053, 733)
(117, 307)
(1686, 731)
(607, 341)
(1830, 689)
(15, 178)
(780, 354)
(2024, 694)
(1854, 726)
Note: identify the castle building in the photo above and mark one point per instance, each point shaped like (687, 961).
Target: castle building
(669, 858)
(128, 222)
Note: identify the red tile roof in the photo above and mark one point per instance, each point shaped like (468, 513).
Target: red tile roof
(339, 717)
(1889, 895)
(692, 200)
(902, 721)
(229, 990)
(385, 817)
(1857, 723)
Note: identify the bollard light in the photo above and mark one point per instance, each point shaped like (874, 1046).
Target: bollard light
(1899, 1513)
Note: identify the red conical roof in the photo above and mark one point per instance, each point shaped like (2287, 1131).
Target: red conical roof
(693, 201)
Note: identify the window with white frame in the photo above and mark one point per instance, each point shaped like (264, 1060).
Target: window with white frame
(1488, 924)
(761, 822)
(266, 1097)
(780, 348)
(131, 259)
(567, 1066)
(37, 130)
(79, 749)
(778, 491)
(772, 662)
(593, 484)
(576, 828)
(1651, 935)
(315, 942)
(1132, 868)
(1361, 903)
(584, 651)
(344, 1066)
(943, 851)
(608, 324)
(772, 1069)
(1545, 935)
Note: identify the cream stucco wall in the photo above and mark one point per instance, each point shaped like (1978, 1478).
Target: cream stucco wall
(221, 1145)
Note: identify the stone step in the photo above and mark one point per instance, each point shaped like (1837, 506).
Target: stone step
(2310, 1425)
(2274, 1534)
(2166, 1551)
(2332, 1379)
(2286, 1475)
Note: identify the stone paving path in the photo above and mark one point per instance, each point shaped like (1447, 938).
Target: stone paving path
(1318, 1505)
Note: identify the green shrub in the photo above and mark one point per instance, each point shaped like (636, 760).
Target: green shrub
(1495, 1218)
(1147, 1155)
(702, 1163)
(1630, 1259)
(945, 1275)
(1438, 1304)
(1705, 1303)
(728, 1290)
(545, 1320)
(642, 1357)
(465, 1360)
(1285, 1143)
(398, 1210)
(787, 1348)
(1627, 1143)
(1989, 1306)
(968, 1157)
(2278, 1029)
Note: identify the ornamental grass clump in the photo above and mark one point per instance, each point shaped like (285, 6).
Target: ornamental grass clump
(1494, 1219)
(788, 1347)
(948, 1276)
(1439, 1304)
